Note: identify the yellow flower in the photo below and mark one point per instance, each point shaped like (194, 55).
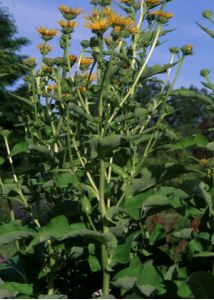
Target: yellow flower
(133, 29)
(69, 13)
(51, 87)
(68, 24)
(153, 2)
(47, 34)
(86, 61)
(97, 21)
(118, 20)
(82, 89)
(98, 25)
(203, 161)
(72, 58)
(161, 13)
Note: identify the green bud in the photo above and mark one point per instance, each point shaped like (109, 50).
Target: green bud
(204, 72)
(207, 14)
(85, 43)
(187, 49)
(174, 50)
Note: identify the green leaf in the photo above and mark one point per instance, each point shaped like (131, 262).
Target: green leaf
(22, 99)
(155, 204)
(2, 160)
(94, 263)
(18, 288)
(64, 179)
(204, 254)
(208, 31)
(184, 234)
(156, 69)
(198, 140)
(157, 234)
(13, 231)
(90, 236)
(41, 150)
(121, 253)
(140, 184)
(150, 280)
(126, 278)
(201, 284)
(192, 95)
(19, 148)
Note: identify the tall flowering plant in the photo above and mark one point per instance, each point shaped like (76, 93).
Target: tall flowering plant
(86, 186)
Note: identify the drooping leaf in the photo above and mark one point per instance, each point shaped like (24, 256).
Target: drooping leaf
(208, 31)
(22, 99)
(192, 95)
(13, 231)
(156, 69)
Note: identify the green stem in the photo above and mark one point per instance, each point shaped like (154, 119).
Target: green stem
(131, 90)
(104, 252)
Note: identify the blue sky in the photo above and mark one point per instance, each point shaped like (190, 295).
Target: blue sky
(29, 14)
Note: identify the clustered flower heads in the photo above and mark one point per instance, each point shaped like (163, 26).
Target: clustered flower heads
(101, 21)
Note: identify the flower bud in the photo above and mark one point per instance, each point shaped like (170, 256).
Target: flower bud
(85, 43)
(174, 50)
(204, 72)
(207, 14)
(187, 49)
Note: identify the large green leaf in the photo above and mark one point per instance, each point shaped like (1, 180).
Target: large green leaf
(201, 284)
(13, 231)
(19, 148)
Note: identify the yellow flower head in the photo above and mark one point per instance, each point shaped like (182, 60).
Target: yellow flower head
(153, 2)
(72, 58)
(86, 61)
(97, 21)
(69, 13)
(161, 13)
(67, 26)
(203, 162)
(117, 20)
(98, 25)
(46, 34)
(82, 89)
(132, 29)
